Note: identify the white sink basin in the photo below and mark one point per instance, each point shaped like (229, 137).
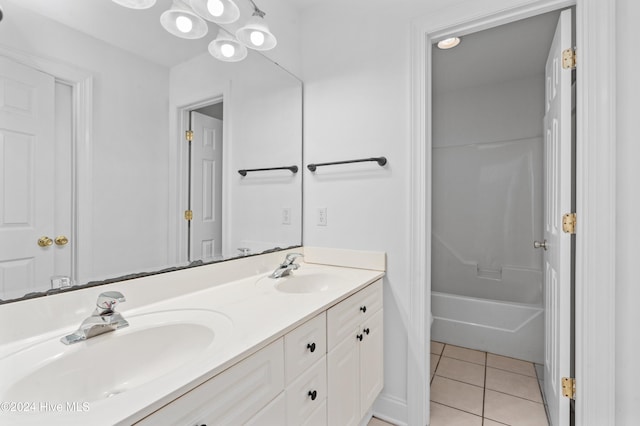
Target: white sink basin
(303, 283)
(304, 280)
(153, 345)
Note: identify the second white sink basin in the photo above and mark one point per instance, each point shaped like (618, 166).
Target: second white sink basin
(153, 345)
(304, 283)
(306, 280)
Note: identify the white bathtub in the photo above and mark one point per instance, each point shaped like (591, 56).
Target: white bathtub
(510, 329)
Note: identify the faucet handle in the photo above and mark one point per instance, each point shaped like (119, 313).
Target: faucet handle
(291, 257)
(108, 300)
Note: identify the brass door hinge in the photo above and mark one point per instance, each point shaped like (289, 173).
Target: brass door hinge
(189, 135)
(569, 387)
(569, 223)
(188, 214)
(569, 59)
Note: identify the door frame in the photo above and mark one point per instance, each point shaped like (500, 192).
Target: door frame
(595, 195)
(81, 82)
(181, 156)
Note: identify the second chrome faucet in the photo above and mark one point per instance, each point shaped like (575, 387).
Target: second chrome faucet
(285, 268)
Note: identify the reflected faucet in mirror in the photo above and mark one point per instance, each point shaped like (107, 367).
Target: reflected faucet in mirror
(103, 320)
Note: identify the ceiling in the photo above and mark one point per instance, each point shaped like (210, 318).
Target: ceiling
(136, 31)
(508, 52)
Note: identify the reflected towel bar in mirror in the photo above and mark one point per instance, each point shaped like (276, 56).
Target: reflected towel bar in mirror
(380, 160)
(293, 169)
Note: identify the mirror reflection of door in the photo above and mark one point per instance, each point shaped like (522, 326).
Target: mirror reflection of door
(205, 195)
(35, 179)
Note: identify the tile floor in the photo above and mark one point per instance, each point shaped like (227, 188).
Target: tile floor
(473, 388)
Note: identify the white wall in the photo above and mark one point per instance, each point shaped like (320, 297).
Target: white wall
(356, 69)
(130, 130)
(628, 205)
(487, 190)
(357, 104)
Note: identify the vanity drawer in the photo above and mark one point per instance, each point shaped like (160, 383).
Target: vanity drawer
(307, 394)
(304, 346)
(346, 316)
(232, 397)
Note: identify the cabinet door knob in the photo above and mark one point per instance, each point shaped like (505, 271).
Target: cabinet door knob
(366, 330)
(311, 347)
(359, 337)
(363, 309)
(313, 395)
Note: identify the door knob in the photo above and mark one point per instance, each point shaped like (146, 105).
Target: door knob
(45, 241)
(61, 240)
(538, 244)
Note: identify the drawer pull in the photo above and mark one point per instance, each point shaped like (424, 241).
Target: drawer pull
(311, 347)
(313, 395)
(366, 330)
(363, 309)
(359, 337)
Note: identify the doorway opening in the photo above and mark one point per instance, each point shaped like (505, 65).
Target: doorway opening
(204, 188)
(490, 180)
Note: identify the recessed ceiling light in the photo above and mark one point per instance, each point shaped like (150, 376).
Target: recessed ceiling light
(449, 43)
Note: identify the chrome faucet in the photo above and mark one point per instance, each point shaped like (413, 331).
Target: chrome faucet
(103, 320)
(287, 266)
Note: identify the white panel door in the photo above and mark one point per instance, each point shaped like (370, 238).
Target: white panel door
(26, 178)
(557, 257)
(206, 187)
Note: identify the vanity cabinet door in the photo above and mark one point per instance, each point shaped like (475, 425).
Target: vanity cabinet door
(304, 346)
(230, 398)
(343, 376)
(272, 414)
(371, 361)
(355, 362)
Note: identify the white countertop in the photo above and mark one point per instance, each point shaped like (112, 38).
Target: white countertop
(259, 314)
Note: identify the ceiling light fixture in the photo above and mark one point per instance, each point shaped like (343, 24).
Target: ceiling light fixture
(218, 11)
(449, 43)
(255, 33)
(226, 48)
(135, 4)
(182, 22)
(186, 19)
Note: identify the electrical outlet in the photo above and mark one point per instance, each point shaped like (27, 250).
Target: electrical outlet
(286, 215)
(322, 216)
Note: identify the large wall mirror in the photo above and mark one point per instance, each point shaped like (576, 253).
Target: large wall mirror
(97, 173)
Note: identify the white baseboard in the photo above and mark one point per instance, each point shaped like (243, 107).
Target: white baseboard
(391, 409)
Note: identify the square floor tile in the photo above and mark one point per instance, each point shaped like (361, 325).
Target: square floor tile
(511, 364)
(513, 410)
(377, 422)
(437, 347)
(441, 415)
(462, 371)
(462, 396)
(487, 422)
(435, 359)
(514, 384)
(464, 354)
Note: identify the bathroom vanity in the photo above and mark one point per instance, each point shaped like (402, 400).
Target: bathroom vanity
(219, 344)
